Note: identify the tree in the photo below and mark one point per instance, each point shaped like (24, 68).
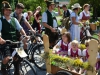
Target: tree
(32, 4)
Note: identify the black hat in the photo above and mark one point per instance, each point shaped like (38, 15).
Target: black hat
(49, 2)
(20, 5)
(6, 5)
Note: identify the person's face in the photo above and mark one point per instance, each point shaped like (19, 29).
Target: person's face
(74, 46)
(52, 6)
(79, 9)
(87, 8)
(64, 38)
(64, 8)
(19, 10)
(7, 12)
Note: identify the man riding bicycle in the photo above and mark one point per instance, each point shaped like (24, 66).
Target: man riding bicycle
(8, 27)
(22, 20)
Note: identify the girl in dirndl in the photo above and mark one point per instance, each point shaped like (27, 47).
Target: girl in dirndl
(63, 45)
(85, 53)
(74, 51)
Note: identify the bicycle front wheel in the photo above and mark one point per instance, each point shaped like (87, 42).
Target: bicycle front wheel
(37, 58)
(26, 68)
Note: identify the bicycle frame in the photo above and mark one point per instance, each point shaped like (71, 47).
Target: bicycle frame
(85, 34)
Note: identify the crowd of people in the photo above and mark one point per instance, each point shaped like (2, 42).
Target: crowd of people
(16, 24)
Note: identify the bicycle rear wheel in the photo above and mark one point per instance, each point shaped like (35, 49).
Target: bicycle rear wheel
(26, 68)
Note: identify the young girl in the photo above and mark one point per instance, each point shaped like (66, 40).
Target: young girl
(74, 51)
(85, 52)
(63, 45)
(98, 61)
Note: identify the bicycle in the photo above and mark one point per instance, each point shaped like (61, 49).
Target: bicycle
(35, 49)
(86, 35)
(19, 55)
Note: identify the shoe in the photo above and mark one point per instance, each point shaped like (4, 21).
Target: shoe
(4, 71)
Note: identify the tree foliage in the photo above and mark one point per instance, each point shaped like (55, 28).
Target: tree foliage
(95, 5)
(32, 4)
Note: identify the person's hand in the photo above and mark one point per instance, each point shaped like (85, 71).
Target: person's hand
(2, 41)
(53, 30)
(34, 31)
(38, 21)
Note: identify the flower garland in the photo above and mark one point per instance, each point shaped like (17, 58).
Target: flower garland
(65, 62)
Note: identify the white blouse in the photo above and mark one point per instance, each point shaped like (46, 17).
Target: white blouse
(86, 14)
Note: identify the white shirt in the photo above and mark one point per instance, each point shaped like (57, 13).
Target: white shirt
(44, 18)
(59, 44)
(84, 52)
(86, 14)
(25, 14)
(98, 55)
(79, 52)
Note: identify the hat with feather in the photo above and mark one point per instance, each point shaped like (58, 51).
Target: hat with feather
(6, 5)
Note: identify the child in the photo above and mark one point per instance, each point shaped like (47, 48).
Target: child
(98, 61)
(85, 55)
(63, 45)
(74, 51)
(85, 52)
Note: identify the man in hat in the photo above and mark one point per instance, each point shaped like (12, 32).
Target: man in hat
(8, 32)
(49, 22)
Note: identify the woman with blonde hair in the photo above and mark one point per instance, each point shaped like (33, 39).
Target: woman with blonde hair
(37, 17)
(85, 14)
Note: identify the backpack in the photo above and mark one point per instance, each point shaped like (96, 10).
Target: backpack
(66, 22)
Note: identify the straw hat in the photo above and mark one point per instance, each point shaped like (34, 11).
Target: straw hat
(76, 5)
